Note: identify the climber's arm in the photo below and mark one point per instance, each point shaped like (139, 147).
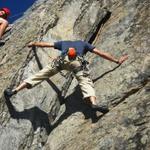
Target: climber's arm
(41, 44)
(3, 25)
(109, 57)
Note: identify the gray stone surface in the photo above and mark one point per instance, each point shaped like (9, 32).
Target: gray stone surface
(34, 119)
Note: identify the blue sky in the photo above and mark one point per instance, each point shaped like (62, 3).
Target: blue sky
(17, 7)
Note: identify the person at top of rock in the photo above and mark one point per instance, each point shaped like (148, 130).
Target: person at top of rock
(4, 13)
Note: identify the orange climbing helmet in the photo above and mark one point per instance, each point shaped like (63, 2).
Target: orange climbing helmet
(72, 53)
(6, 10)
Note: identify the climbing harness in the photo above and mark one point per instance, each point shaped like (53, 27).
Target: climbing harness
(59, 61)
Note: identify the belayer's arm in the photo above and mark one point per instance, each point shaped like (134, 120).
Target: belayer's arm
(41, 44)
(109, 57)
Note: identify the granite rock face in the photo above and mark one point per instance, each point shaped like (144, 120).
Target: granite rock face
(37, 119)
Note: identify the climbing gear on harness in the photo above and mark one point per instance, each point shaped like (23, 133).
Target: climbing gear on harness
(72, 53)
(85, 64)
(6, 10)
(59, 61)
(56, 63)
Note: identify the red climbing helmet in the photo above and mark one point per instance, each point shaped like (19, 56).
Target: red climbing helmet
(72, 53)
(7, 11)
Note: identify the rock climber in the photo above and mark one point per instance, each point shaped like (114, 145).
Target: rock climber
(71, 59)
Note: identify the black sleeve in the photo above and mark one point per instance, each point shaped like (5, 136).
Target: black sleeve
(89, 47)
(58, 45)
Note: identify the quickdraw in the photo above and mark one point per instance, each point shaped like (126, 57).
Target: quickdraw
(56, 63)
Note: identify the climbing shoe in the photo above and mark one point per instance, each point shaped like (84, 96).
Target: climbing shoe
(102, 109)
(8, 92)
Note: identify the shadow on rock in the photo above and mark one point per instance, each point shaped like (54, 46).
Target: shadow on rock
(74, 103)
(37, 117)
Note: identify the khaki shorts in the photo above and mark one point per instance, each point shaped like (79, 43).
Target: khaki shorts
(85, 83)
